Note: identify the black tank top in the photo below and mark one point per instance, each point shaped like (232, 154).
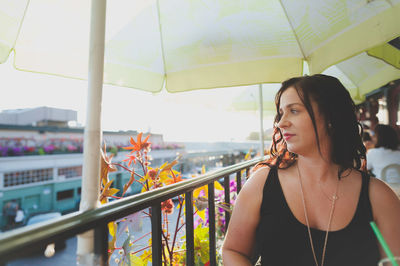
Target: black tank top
(282, 240)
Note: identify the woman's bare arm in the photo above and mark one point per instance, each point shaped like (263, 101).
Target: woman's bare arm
(386, 212)
(239, 240)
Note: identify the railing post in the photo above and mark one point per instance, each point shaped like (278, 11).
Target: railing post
(247, 173)
(238, 181)
(101, 243)
(211, 223)
(189, 228)
(156, 245)
(227, 200)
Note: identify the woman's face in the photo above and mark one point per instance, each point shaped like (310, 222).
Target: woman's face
(296, 124)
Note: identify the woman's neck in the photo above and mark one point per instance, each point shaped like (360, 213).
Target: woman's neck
(317, 168)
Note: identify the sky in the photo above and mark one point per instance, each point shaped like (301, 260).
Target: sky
(202, 115)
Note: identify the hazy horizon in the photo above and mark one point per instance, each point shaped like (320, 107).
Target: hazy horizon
(201, 115)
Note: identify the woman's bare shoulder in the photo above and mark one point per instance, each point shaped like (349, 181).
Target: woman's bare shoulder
(379, 190)
(259, 176)
(386, 213)
(255, 183)
(382, 196)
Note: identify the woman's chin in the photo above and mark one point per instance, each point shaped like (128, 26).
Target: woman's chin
(292, 148)
(296, 149)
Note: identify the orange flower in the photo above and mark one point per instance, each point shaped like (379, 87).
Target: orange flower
(139, 144)
(130, 159)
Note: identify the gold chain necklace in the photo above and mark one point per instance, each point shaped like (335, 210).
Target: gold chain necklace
(334, 198)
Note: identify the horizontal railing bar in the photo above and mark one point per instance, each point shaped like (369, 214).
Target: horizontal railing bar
(78, 222)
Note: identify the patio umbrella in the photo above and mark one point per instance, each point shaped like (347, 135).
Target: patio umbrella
(185, 45)
(193, 44)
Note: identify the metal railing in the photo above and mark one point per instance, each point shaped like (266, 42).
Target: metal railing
(27, 238)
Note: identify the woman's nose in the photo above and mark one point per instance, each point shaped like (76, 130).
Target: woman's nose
(283, 122)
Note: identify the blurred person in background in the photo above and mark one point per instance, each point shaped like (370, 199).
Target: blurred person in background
(10, 210)
(367, 140)
(386, 150)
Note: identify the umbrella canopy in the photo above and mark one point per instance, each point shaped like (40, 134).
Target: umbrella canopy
(193, 44)
(362, 74)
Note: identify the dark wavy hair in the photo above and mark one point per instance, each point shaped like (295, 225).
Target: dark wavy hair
(386, 137)
(339, 112)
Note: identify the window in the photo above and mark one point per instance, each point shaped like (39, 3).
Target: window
(65, 194)
(69, 172)
(27, 177)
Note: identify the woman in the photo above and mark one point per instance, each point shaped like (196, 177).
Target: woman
(311, 202)
(386, 150)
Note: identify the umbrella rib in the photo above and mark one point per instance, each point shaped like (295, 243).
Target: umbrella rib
(351, 80)
(20, 26)
(294, 32)
(161, 38)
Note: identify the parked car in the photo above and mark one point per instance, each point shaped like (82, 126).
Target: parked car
(37, 218)
(49, 249)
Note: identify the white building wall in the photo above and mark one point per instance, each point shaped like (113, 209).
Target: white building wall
(120, 138)
(32, 116)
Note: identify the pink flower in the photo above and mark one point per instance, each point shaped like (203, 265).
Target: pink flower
(167, 206)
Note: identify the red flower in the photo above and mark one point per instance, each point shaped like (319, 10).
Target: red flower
(152, 174)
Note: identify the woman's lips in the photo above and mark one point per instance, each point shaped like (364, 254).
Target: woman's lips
(287, 136)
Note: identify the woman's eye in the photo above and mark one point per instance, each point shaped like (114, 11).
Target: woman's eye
(294, 111)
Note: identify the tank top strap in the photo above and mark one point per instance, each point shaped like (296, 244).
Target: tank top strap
(365, 203)
(270, 191)
(272, 178)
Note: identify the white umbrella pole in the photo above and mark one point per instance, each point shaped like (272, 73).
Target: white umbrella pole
(92, 134)
(261, 120)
